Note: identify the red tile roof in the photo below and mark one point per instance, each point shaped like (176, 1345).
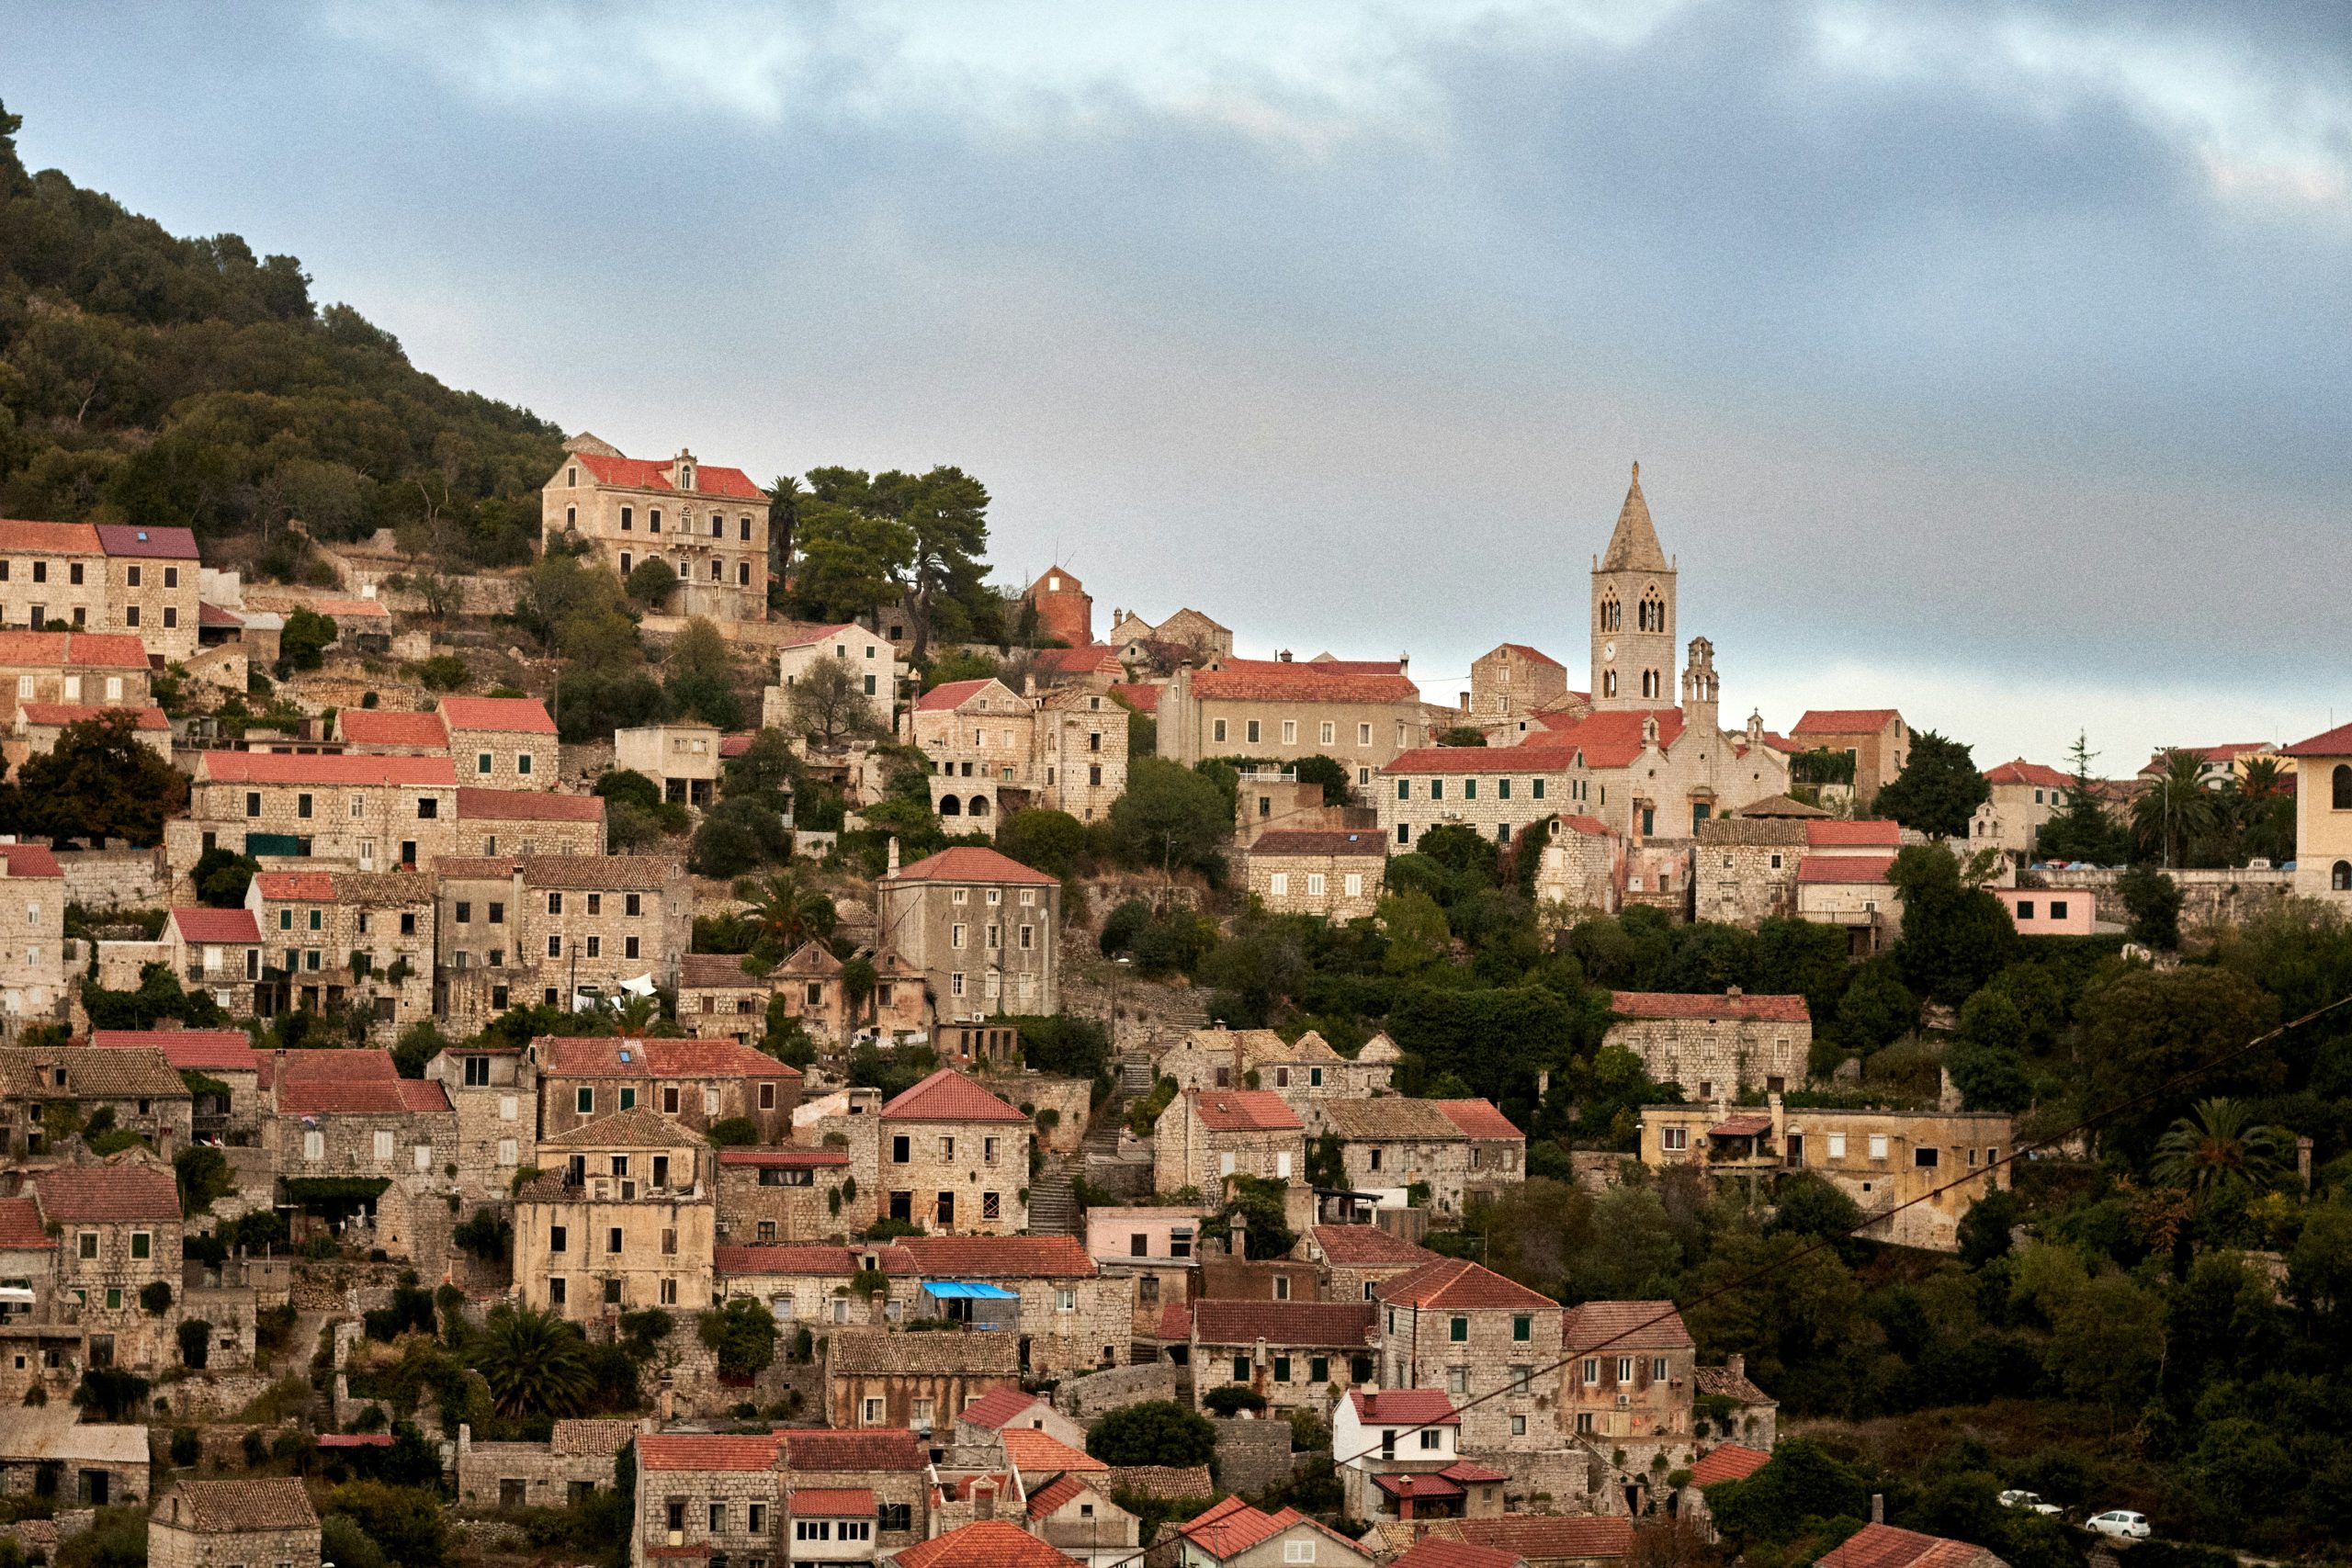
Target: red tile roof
(784, 1159)
(985, 1543)
(1091, 660)
(699, 1451)
(1143, 699)
(1625, 1326)
(381, 726)
(209, 614)
(20, 1226)
(882, 1448)
(1471, 1472)
(95, 1194)
(311, 887)
(1319, 841)
(191, 1049)
(1233, 1526)
(1417, 1485)
(1263, 680)
(527, 806)
(1833, 834)
(1218, 1320)
(2024, 773)
(650, 473)
(1458, 1284)
(831, 1502)
(1001, 1257)
(1330, 666)
(1843, 870)
(806, 635)
(970, 862)
(1244, 1110)
(948, 1095)
(996, 1406)
(1030, 1449)
(321, 768)
(816, 1259)
(949, 695)
(327, 1082)
(75, 650)
(1590, 827)
(1844, 721)
(1551, 1536)
(1608, 739)
(61, 714)
(31, 860)
(1537, 654)
(510, 715)
(1707, 1004)
(1883, 1546)
(130, 539)
(1478, 1119)
(1361, 1246)
(49, 538)
(1529, 757)
(1727, 1461)
(1404, 1407)
(1055, 1493)
(1436, 1551)
(2337, 742)
(600, 1056)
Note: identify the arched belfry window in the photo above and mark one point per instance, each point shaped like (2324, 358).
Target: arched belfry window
(1652, 614)
(1612, 613)
(1609, 683)
(2340, 787)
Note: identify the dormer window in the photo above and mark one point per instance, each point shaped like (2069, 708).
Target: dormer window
(686, 476)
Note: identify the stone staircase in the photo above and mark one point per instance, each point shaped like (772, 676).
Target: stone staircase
(1053, 1204)
(1135, 1079)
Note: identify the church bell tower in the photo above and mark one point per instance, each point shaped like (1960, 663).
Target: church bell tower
(1633, 613)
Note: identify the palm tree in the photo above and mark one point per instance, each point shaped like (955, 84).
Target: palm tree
(533, 1361)
(2218, 1149)
(638, 1014)
(785, 911)
(2176, 808)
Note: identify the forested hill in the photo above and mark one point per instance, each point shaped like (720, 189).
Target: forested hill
(150, 378)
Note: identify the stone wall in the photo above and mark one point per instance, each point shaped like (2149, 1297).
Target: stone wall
(1745, 870)
(1252, 1457)
(2208, 899)
(1712, 1056)
(1072, 1098)
(116, 878)
(1098, 1393)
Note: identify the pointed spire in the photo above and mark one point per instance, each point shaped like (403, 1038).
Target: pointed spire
(1633, 546)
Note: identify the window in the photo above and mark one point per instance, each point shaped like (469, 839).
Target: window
(584, 1102)
(1457, 1330)
(595, 947)
(1925, 1160)
(1280, 885)
(1675, 1139)
(2340, 787)
(1878, 1146)
(427, 808)
(1218, 726)
(314, 1145)
(555, 947)
(1331, 732)
(1282, 1368)
(1432, 1438)
(1657, 1369)
(1290, 732)
(1298, 1552)
(1241, 1369)
(1624, 1370)
(383, 1145)
(1457, 1380)
(1521, 1377)
(558, 1238)
(628, 1102)
(1837, 1145)
(2025, 909)
(1437, 789)
(86, 1245)
(1315, 885)
(1592, 1370)
(719, 1518)
(1522, 1328)
(2057, 909)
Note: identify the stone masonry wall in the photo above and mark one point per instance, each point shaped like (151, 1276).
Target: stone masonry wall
(1710, 1056)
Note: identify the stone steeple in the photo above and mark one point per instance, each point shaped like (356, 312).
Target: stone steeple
(1633, 546)
(1633, 613)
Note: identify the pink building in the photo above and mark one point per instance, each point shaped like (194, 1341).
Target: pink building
(2046, 912)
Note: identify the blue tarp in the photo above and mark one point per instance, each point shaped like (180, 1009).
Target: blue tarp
(948, 1289)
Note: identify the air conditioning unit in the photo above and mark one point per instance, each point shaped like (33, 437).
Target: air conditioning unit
(1625, 1401)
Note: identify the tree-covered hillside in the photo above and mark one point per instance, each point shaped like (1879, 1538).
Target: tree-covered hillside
(150, 378)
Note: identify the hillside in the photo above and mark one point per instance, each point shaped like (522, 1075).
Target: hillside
(146, 378)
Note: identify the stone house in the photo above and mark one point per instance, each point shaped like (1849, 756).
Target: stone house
(953, 1158)
(1628, 1379)
(40, 725)
(494, 1091)
(1876, 739)
(1399, 1455)
(1333, 873)
(1272, 799)
(1356, 1260)
(345, 938)
(1205, 638)
(816, 1284)
(982, 928)
(1226, 1273)
(1306, 1072)
(2024, 795)
(578, 1458)
(1584, 866)
(682, 760)
(1494, 791)
(1209, 1135)
(773, 1195)
(1732, 1408)
(1082, 740)
(136, 1090)
(1278, 711)
(620, 1217)
(1097, 667)
(225, 1055)
(883, 1377)
(699, 1494)
(886, 1465)
(1744, 869)
(118, 1228)
(1482, 1338)
(542, 928)
(695, 1082)
(1879, 1545)
(717, 1000)
(1929, 1165)
(137, 581)
(73, 668)
(491, 822)
(1458, 1149)
(265, 1520)
(385, 733)
(1851, 891)
(881, 673)
(1232, 1534)
(33, 986)
(1734, 1043)
(93, 1464)
(1291, 1353)
(708, 524)
(1073, 1317)
(811, 982)
(982, 1422)
(1073, 1513)
(1157, 1250)
(994, 749)
(345, 1114)
(375, 813)
(218, 951)
(1513, 678)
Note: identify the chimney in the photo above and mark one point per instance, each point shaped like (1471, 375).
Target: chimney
(1733, 993)
(1403, 661)
(1370, 1404)
(1543, 1085)
(1465, 702)
(1735, 1364)
(1878, 1507)
(893, 870)
(1284, 655)
(2304, 1163)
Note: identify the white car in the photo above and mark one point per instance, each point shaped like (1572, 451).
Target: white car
(2029, 1501)
(2120, 1522)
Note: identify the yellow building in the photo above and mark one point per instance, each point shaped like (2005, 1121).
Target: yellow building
(2324, 816)
(622, 1216)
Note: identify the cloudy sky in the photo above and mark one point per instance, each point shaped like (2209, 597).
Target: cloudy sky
(1986, 360)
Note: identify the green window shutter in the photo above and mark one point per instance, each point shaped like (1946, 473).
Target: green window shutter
(1282, 1368)
(1241, 1369)
(1457, 1329)
(1521, 1329)
(1319, 1368)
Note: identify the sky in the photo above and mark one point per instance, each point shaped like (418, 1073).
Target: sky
(1987, 361)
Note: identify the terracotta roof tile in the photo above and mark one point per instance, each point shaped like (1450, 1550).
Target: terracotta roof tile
(1167, 1482)
(2024, 773)
(1435, 1552)
(785, 1159)
(199, 925)
(1390, 1118)
(1001, 1257)
(636, 1128)
(970, 862)
(1244, 1110)
(58, 714)
(381, 726)
(505, 715)
(986, 1543)
(1458, 1284)
(652, 473)
(1883, 1546)
(527, 806)
(1844, 721)
(1345, 1246)
(949, 695)
(72, 651)
(1055, 1493)
(1142, 698)
(29, 859)
(1404, 1407)
(196, 1050)
(1029, 1449)
(1319, 841)
(601, 1056)
(1529, 757)
(322, 768)
(1275, 682)
(1479, 1119)
(1707, 1004)
(20, 1226)
(887, 1447)
(2337, 742)
(274, 1503)
(948, 1095)
(49, 538)
(1728, 1461)
(809, 1260)
(89, 1074)
(1843, 870)
(831, 1502)
(996, 1406)
(588, 1437)
(717, 971)
(1537, 1537)
(1833, 834)
(307, 887)
(1625, 1326)
(147, 540)
(93, 1194)
(1219, 1321)
(698, 1450)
